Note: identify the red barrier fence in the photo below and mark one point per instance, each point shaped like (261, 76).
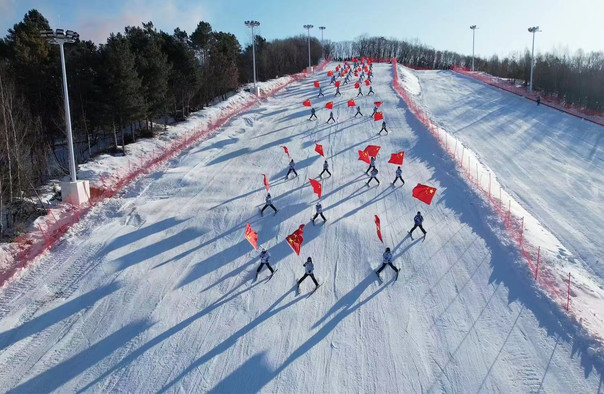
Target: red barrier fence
(51, 227)
(513, 224)
(552, 102)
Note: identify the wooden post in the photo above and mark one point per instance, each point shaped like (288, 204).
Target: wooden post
(538, 256)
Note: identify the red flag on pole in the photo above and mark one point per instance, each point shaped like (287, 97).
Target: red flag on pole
(329, 105)
(372, 150)
(377, 103)
(266, 185)
(367, 83)
(424, 193)
(306, 103)
(379, 230)
(295, 239)
(286, 151)
(351, 103)
(316, 187)
(337, 84)
(378, 116)
(397, 158)
(329, 73)
(319, 149)
(317, 84)
(251, 236)
(356, 85)
(364, 156)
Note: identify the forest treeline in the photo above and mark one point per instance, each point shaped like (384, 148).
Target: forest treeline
(576, 79)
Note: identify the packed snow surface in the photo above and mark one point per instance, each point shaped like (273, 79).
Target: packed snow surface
(153, 291)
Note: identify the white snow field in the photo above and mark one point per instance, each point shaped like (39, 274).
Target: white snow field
(153, 290)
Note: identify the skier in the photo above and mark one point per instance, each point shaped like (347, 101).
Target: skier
(360, 92)
(319, 209)
(337, 92)
(292, 168)
(371, 164)
(538, 100)
(346, 79)
(312, 113)
(325, 169)
(370, 91)
(333, 80)
(383, 128)
(264, 258)
(358, 111)
(387, 260)
(268, 203)
(418, 219)
(375, 109)
(331, 117)
(309, 268)
(374, 173)
(320, 92)
(399, 174)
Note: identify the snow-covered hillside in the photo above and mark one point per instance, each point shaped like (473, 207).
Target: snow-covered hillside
(154, 291)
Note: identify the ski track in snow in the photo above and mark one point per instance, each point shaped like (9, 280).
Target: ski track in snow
(153, 290)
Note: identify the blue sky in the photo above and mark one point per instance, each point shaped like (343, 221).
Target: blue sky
(437, 23)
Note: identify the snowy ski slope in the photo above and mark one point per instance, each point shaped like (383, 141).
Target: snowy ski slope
(153, 291)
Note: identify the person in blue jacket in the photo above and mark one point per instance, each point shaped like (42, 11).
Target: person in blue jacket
(268, 203)
(419, 220)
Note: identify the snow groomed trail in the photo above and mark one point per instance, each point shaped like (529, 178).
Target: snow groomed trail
(153, 291)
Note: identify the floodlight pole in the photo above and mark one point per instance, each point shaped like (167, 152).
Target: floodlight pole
(253, 24)
(308, 27)
(533, 30)
(473, 27)
(322, 45)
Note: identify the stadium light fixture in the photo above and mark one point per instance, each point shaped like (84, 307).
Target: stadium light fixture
(473, 27)
(322, 48)
(308, 27)
(253, 24)
(534, 29)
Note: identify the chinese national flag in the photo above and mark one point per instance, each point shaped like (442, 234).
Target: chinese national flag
(378, 116)
(329, 73)
(377, 103)
(364, 156)
(286, 151)
(317, 84)
(337, 68)
(424, 193)
(295, 239)
(329, 105)
(266, 183)
(367, 83)
(356, 73)
(316, 187)
(306, 103)
(372, 150)
(342, 74)
(319, 149)
(397, 158)
(379, 230)
(251, 236)
(337, 84)
(356, 85)
(351, 103)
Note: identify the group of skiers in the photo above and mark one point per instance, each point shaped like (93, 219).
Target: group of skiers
(371, 171)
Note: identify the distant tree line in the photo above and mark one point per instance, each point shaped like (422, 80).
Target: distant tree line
(116, 90)
(575, 79)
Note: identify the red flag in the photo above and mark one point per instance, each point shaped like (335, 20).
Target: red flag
(317, 84)
(364, 156)
(295, 239)
(342, 74)
(251, 236)
(319, 149)
(377, 103)
(424, 193)
(329, 105)
(266, 183)
(372, 150)
(337, 84)
(286, 151)
(397, 158)
(306, 103)
(337, 68)
(378, 116)
(316, 187)
(329, 73)
(356, 73)
(356, 85)
(351, 103)
(379, 230)
(367, 83)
